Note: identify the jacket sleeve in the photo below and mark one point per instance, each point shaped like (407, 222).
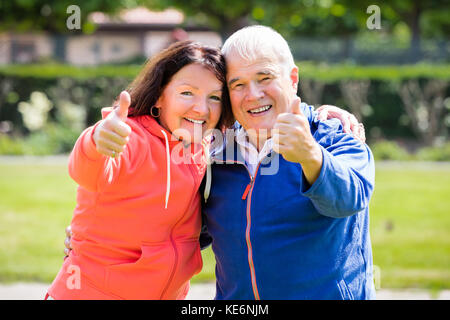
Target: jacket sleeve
(347, 177)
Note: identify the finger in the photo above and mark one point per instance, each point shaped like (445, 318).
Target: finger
(295, 106)
(67, 243)
(276, 142)
(109, 148)
(354, 125)
(345, 120)
(122, 129)
(362, 133)
(284, 128)
(124, 104)
(291, 119)
(69, 231)
(108, 152)
(113, 137)
(323, 114)
(67, 251)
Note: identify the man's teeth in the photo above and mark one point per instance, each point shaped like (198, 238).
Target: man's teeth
(195, 121)
(260, 109)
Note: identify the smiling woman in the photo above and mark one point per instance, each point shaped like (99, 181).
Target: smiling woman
(136, 226)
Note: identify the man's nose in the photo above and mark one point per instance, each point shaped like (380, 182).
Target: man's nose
(254, 92)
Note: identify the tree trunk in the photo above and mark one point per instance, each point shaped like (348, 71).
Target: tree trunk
(415, 52)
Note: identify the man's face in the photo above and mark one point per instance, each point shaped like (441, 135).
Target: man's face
(259, 91)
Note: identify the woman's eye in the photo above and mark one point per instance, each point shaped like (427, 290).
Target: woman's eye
(186, 93)
(216, 98)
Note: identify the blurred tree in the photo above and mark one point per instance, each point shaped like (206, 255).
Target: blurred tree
(423, 18)
(50, 15)
(338, 18)
(224, 16)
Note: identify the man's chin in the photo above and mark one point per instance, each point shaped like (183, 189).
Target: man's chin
(260, 130)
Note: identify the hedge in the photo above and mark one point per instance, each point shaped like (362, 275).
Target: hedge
(308, 70)
(91, 88)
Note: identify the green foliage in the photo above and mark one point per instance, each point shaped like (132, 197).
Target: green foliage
(333, 73)
(389, 150)
(53, 139)
(323, 72)
(441, 153)
(56, 71)
(85, 90)
(11, 146)
(32, 15)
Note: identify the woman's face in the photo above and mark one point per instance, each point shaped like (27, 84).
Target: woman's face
(191, 103)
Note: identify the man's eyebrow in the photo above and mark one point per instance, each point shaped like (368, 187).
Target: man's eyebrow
(266, 73)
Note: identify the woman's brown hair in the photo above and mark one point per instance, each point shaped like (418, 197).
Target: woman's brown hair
(149, 84)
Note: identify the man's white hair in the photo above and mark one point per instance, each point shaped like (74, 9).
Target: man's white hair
(260, 42)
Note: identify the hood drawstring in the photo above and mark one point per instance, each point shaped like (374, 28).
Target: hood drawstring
(208, 173)
(168, 169)
(208, 182)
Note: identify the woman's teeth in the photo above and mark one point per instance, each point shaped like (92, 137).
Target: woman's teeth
(262, 109)
(195, 121)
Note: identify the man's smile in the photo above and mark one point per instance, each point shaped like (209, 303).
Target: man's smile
(260, 110)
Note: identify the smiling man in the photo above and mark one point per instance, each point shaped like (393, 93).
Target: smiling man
(302, 231)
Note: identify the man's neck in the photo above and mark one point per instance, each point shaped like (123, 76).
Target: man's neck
(258, 141)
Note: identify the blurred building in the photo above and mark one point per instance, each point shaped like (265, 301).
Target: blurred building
(132, 34)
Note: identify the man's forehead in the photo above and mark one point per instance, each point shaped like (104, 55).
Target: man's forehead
(239, 66)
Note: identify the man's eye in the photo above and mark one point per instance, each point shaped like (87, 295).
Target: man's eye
(186, 93)
(265, 79)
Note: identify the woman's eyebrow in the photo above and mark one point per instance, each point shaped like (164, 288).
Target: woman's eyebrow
(187, 84)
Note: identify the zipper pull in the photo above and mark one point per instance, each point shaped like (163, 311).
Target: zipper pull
(247, 189)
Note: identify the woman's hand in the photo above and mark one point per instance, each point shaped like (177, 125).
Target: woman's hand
(348, 120)
(67, 241)
(112, 134)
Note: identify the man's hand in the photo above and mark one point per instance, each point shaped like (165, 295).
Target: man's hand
(349, 122)
(112, 134)
(292, 139)
(67, 241)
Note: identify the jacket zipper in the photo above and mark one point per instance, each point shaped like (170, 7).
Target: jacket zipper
(247, 234)
(247, 195)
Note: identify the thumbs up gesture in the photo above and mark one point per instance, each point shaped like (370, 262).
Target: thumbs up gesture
(112, 134)
(292, 139)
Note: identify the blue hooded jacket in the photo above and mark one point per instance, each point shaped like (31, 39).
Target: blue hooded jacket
(276, 237)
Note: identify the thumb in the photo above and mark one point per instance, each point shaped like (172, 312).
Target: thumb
(295, 106)
(124, 104)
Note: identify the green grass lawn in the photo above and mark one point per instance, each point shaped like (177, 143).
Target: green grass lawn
(410, 224)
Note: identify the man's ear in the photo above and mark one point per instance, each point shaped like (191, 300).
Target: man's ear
(294, 78)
